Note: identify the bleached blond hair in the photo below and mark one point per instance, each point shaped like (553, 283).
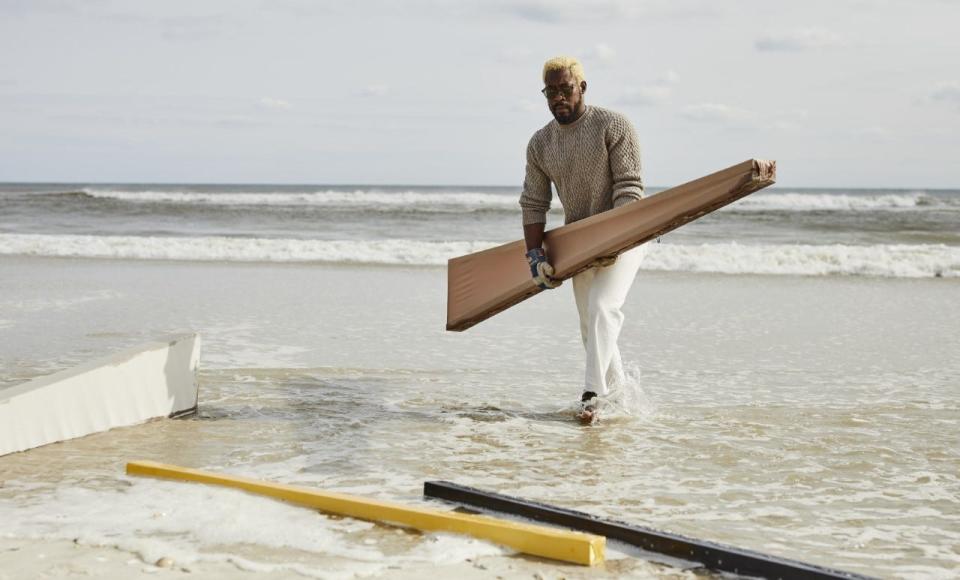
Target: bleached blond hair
(567, 63)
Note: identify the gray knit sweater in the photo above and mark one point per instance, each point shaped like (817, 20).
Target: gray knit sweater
(594, 163)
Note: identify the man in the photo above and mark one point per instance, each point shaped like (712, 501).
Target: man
(592, 157)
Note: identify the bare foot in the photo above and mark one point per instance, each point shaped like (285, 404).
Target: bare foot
(586, 416)
(587, 412)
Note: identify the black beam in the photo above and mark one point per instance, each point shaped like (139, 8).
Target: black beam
(711, 555)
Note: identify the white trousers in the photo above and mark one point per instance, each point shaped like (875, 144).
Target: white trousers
(600, 293)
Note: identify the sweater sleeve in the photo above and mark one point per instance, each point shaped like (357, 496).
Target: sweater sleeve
(624, 151)
(536, 196)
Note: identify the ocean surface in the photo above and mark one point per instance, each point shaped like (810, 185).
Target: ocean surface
(794, 378)
(889, 233)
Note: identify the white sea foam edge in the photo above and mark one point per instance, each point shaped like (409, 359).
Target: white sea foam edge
(887, 260)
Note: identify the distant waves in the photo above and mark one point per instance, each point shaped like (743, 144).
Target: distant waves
(460, 201)
(329, 199)
(843, 202)
(891, 260)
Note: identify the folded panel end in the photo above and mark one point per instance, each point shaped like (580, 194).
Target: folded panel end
(765, 169)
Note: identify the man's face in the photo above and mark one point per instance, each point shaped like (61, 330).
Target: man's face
(564, 96)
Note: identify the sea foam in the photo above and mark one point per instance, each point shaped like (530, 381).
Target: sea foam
(451, 201)
(805, 202)
(230, 249)
(185, 522)
(488, 201)
(391, 200)
(887, 260)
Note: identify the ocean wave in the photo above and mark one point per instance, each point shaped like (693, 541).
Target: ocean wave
(53, 192)
(458, 201)
(894, 260)
(886, 260)
(235, 249)
(357, 199)
(804, 202)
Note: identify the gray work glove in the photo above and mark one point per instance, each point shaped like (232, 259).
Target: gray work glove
(541, 270)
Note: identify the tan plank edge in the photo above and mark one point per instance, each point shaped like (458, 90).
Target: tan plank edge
(575, 547)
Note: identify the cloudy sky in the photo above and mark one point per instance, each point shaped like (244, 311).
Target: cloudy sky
(848, 93)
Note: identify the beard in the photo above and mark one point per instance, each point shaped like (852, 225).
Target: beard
(564, 114)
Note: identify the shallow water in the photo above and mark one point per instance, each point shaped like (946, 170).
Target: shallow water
(815, 419)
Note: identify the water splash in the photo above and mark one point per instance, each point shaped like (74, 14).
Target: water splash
(628, 398)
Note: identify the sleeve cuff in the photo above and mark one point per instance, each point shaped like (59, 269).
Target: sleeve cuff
(625, 198)
(532, 216)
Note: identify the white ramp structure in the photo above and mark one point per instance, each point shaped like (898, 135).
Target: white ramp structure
(154, 380)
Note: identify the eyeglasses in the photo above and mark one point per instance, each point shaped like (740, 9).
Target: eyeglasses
(552, 92)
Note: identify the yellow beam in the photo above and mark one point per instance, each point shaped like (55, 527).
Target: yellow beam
(545, 542)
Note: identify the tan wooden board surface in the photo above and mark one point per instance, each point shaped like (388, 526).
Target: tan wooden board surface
(482, 284)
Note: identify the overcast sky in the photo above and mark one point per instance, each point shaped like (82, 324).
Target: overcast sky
(849, 93)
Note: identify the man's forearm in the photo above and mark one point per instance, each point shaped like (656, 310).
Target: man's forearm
(533, 234)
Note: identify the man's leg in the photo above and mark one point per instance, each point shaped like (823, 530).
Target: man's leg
(599, 296)
(582, 283)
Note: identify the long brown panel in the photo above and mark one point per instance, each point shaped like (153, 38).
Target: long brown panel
(485, 283)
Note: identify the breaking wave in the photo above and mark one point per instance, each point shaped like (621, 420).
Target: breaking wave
(358, 199)
(440, 201)
(803, 202)
(893, 260)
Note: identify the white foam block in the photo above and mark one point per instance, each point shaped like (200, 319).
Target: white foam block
(158, 379)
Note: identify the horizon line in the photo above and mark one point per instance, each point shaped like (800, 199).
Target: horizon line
(448, 185)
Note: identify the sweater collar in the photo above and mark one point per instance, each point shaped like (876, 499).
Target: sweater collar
(577, 123)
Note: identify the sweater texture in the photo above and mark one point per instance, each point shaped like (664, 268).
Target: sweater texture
(594, 163)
